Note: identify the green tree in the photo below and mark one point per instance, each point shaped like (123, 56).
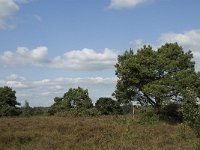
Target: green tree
(57, 106)
(108, 106)
(191, 112)
(26, 109)
(76, 101)
(77, 98)
(155, 77)
(8, 102)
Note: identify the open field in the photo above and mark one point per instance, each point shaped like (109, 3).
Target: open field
(104, 132)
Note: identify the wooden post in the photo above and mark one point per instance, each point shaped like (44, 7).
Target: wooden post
(133, 112)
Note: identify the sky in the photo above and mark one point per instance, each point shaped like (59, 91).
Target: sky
(47, 47)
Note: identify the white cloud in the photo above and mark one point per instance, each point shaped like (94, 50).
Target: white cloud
(14, 81)
(15, 77)
(85, 59)
(24, 56)
(7, 9)
(42, 92)
(189, 40)
(117, 4)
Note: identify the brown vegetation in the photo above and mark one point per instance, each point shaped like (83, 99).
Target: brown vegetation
(103, 132)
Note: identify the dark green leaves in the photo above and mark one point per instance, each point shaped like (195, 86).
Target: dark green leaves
(155, 76)
(8, 102)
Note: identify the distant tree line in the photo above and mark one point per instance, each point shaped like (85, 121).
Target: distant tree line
(75, 102)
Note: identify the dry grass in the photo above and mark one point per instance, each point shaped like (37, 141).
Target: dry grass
(104, 132)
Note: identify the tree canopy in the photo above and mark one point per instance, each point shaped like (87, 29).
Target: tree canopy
(156, 77)
(8, 102)
(108, 106)
(77, 98)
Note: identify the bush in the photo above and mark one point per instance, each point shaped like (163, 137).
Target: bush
(10, 111)
(127, 108)
(191, 114)
(74, 112)
(147, 115)
(91, 112)
(108, 106)
(196, 125)
(172, 112)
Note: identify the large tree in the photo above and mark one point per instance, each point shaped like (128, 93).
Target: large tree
(156, 77)
(77, 98)
(8, 102)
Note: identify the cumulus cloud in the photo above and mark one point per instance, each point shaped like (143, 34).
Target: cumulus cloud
(85, 59)
(42, 92)
(14, 81)
(24, 56)
(7, 9)
(189, 40)
(117, 4)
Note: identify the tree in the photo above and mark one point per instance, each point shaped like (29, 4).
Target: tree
(76, 101)
(155, 77)
(77, 98)
(57, 106)
(108, 106)
(26, 109)
(8, 102)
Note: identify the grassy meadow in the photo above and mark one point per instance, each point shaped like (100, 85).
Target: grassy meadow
(101, 132)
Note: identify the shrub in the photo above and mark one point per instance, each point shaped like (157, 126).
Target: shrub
(91, 112)
(108, 106)
(172, 112)
(147, 115)
(127, 108)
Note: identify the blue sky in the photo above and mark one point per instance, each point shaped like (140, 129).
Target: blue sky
(49, 46)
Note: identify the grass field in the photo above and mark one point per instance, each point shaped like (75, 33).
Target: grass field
(103, 132)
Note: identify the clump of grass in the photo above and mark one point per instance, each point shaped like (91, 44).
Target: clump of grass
(183, 132)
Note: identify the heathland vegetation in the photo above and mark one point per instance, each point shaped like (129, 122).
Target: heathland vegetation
(163, 82)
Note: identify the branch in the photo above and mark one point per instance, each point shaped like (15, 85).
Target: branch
(150, 100)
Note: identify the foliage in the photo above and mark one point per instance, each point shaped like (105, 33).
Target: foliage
(26, 110)
(75, 102)
(127, 108)
(108, 106)
(56, 107)
(74, 112)
(146, 115)
(91, 112)
(155, 77)
(8, 102)
(172, 112)
(183, 133)
(77, 98)
(38, 111)
(191, 113)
